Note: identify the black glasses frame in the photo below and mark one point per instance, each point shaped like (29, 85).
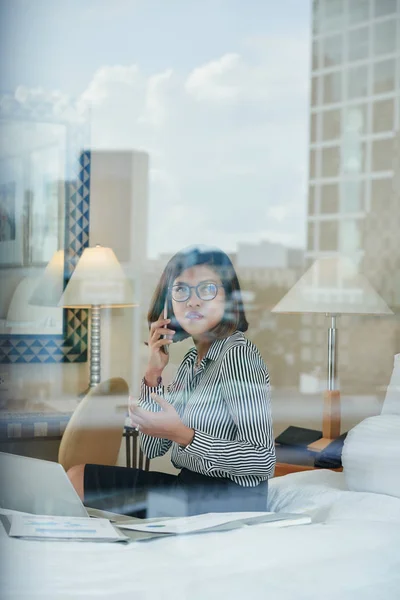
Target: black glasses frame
(196, 288)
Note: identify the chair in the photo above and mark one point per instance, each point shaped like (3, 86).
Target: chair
(94, 432)
(139, 460)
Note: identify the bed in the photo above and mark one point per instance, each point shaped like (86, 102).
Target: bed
(350, 551)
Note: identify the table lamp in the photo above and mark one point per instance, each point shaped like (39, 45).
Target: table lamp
(50, 284)
(98, 281)
(332, 286)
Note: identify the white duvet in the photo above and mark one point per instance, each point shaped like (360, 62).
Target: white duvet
(350, 551)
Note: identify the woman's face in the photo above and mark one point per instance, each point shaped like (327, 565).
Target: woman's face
(194, 315)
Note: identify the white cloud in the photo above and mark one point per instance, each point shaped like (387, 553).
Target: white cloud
(227, 142)
(214, 81)
(277, 69)
(155, 112)
(279, 213)
(105, 79)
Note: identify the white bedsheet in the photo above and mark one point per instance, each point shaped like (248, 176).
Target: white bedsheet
(350, 552)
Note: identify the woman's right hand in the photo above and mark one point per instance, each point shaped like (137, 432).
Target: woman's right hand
(158, 358)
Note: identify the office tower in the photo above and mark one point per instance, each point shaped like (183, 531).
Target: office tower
(119, 203)
(354, 166)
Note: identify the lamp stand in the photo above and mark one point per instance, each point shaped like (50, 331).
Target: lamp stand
(95, 336)
(331, 417)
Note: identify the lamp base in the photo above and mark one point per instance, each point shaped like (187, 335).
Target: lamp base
(331, 421)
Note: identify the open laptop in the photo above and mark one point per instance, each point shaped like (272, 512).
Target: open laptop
(37, 486)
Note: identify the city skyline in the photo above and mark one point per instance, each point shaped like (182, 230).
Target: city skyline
(225, 123)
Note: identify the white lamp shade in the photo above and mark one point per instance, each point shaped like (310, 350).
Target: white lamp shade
(98, 280)
(50, 285)
(332, 285)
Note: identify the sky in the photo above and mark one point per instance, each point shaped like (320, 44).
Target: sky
(216, 91)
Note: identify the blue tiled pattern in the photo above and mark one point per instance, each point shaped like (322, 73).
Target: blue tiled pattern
(72, 346)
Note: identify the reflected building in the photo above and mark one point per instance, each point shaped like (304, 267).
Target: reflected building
(354, 170)
(269, 264)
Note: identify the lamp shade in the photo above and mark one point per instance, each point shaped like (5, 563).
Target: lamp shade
(50, 285)
(333, 285)
(98, 280)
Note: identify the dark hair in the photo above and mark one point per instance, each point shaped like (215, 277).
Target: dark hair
(234, 317)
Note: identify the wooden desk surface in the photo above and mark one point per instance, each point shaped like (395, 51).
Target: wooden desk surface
(286, 468)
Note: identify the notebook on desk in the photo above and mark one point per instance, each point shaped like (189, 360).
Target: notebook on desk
(145, 529)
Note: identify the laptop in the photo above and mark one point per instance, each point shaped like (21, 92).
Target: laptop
(37, 486)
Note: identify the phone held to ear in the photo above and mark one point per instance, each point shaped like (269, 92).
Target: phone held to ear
(165, 316)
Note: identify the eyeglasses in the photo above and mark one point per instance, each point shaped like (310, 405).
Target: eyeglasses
(207, 290)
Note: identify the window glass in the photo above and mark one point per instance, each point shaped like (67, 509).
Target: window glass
(350, 236)
(331, 120)
(357, 82)
(358, 11)
(330, 161)
(381, 192)
(352, 151)
(314, 91)
(384, 7)
(222, 123)
(382, 155)
(328, 235)
(329, 198)
(383, 76)
(310, 235)
(385, 37)
(352, 196)
(355, 118)
(333, 15)
(315, 56)
(313, 127)
(313, 170)
(332, 50)
(332, 87)
(383, 116)
(311, 199)
(358, 44)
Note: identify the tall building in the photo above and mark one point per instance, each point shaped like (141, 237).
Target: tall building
(354, 167)
(119, 203)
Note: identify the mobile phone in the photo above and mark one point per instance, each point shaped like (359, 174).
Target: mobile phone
(165, 316)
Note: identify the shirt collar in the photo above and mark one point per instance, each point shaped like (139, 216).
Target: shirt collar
(213, 351)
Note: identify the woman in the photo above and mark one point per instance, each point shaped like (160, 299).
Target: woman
(215, 414)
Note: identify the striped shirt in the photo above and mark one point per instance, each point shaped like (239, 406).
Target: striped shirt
(227, 403)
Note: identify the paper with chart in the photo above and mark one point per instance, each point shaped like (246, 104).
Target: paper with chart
(206, 521)
(72, 528)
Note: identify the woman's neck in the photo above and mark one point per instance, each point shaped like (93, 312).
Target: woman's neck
(202, 347)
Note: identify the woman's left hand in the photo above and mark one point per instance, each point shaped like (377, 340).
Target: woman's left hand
(163, 424)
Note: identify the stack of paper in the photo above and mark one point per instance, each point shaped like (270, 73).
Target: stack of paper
(215, 521)
(61, 528)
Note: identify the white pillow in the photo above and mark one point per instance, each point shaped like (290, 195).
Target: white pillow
(371, 456)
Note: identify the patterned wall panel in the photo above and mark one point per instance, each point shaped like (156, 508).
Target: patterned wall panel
(72, 345)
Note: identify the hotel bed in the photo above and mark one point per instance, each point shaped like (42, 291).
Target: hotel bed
(350, 551)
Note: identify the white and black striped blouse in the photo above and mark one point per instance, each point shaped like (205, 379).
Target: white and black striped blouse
(227, 403)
